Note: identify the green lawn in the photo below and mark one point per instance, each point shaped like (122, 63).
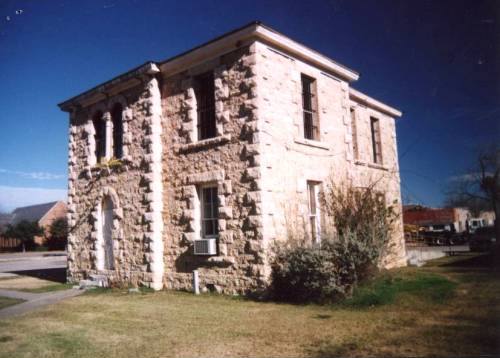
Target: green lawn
(449, 308)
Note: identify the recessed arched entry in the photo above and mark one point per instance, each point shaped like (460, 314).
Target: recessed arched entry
(107, 232)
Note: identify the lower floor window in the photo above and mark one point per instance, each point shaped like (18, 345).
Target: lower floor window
(209, 211)
(314, 217)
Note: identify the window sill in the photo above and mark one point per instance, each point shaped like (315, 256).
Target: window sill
(106, 169)
(372, 165)
(312, 143)
(190, 147)
(222, 260)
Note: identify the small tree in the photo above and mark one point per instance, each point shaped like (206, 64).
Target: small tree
(58, 234)
(25, 231)
(480, 188)
(363, 224)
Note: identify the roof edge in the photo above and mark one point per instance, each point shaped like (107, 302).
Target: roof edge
(372, 102)
(149, 67)
(254, 29)
(258, 31)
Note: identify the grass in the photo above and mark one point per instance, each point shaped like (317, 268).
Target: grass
(31, 284)
(449, 308)
(27, 284)
(388, 287)
(48, 288)
(6, 302)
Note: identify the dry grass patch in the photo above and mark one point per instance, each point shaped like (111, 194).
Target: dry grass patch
(24, 283)
(173, 324)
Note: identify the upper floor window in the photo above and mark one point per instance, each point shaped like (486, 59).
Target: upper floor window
(354, 133)
(99, 136)
(205, 100)
(309, 108)
(116, 117)
(209, 211)
(376, 140)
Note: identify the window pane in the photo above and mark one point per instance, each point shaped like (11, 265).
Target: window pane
(209, 212)
(375, 139)
(311, 125)
(312, 199)
(314, 234)
(308, 125)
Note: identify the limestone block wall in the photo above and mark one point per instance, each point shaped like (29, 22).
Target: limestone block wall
(230, 161)
(134, 186)
(288, 160)
(385, 176)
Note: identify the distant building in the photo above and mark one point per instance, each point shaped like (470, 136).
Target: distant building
(437, 219)
(44, 214)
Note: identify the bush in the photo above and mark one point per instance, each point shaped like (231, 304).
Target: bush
(361, 230)
(310, 274)
(306, 275)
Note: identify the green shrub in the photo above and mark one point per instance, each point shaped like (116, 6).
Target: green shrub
(306, 275)
(361, 229)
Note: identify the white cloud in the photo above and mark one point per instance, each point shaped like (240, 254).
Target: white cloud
(13, 197)
(33, 175)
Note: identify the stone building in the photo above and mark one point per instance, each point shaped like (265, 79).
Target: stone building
(201, 161)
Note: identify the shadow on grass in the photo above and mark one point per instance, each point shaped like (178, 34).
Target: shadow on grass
(488, 260)
(54, 274)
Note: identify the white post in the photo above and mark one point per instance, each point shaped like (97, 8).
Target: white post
(196, 283)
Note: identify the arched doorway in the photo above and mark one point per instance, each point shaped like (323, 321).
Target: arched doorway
(107, 231)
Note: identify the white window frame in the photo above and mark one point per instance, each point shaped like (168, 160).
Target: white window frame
(313, 188)
(313, 111)
(201, 213)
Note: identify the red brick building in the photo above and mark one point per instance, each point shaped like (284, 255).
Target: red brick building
(45, 214)
(454, 219)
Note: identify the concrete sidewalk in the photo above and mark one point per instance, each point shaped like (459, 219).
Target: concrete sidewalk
(34, 300)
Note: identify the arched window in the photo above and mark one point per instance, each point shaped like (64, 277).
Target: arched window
(99, 136)
(116, 116)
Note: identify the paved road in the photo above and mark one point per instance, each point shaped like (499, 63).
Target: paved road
(31, 261)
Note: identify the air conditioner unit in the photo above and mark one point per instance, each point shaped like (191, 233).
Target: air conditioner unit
(205, 247)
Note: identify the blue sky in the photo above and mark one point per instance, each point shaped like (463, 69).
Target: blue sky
(438, 61)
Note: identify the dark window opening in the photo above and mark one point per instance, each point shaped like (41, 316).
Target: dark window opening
(309, 104)
(205, 100)
(376, 145)
(116, 116)
(99, 136)
(354, 134)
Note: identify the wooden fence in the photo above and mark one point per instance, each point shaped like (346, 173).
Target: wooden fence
(8, 244)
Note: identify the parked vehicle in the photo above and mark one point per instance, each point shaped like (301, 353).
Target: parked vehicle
(475, 223)
(441, 238)
(484, 239)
